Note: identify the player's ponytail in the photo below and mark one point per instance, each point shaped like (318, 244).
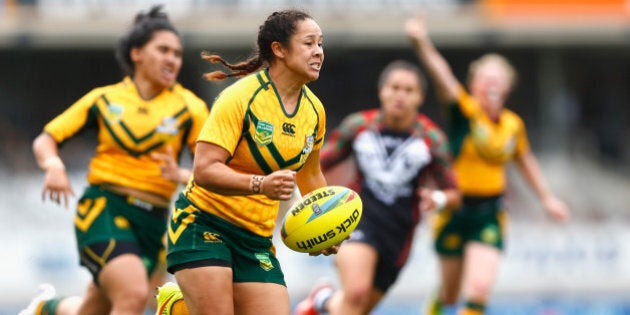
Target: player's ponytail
(240, 69)
(278, 27)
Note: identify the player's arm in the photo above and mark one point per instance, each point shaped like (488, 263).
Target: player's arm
(169, 167)
(439, 198)
(338, 146)
(446, 83)
(440, 171)
(446, 194)
(211, 172)
(335, 150)
(56, 184)
(310, 177)
(528, 166)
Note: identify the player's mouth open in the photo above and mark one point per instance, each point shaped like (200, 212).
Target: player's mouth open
(168, 72)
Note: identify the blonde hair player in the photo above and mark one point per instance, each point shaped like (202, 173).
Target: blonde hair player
(484, 136)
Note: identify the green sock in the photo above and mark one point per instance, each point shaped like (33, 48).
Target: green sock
(474, 308)
(436, 307)
(48, 307)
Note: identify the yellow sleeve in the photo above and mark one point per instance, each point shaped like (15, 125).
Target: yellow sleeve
(467, 104)
(74, 118)
(199, 113)
(321, 126)
(321, 129)
(224, 126)
(522, 142)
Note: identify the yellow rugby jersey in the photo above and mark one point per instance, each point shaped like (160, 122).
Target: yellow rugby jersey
(130, 129)
(249, 121)
(481, 147)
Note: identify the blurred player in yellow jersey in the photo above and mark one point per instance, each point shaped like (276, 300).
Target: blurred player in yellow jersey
(144, 122)
(262, 138)
(484, 137)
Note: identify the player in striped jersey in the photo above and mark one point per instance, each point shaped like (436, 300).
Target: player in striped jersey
(144, 122)
(262, 138)
(485, 136)
(404, 169)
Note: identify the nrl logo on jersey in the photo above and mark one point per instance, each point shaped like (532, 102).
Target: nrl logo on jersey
(265, 261)
(114, 113)
(264, 133)
(168, 128)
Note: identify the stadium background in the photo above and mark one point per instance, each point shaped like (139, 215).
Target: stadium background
(573, 59)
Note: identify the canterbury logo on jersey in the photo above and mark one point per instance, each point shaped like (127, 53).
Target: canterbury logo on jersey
(288, 129)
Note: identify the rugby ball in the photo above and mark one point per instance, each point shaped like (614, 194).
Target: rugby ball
(321, 219)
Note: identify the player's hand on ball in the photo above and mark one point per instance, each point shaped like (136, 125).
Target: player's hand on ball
(327, 251)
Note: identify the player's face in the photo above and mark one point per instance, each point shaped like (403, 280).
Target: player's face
(159, 60)
(400, 94)
(305, 54)
(490, 85)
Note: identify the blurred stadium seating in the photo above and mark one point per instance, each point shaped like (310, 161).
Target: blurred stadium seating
(55, 23)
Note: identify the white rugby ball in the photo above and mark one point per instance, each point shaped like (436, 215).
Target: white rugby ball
(321, 219)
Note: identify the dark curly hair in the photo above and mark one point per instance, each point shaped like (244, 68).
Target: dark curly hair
(279, 27)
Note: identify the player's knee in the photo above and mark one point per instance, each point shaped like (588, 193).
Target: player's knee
(479, 290)
(133, 300)
(357, 297)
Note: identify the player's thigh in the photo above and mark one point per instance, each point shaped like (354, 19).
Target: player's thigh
(451, 271)
(125, 278)
(356, 264)
(481, 265)
(207, 290)
(258, 298)
(94, 302)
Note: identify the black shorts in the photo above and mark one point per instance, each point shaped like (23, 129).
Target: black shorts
(392, 245)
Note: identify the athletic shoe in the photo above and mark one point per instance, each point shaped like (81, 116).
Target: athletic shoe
(307, 306)
(167, 294)
(44, 291)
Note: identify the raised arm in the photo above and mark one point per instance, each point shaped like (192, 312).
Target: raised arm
(445, 81)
